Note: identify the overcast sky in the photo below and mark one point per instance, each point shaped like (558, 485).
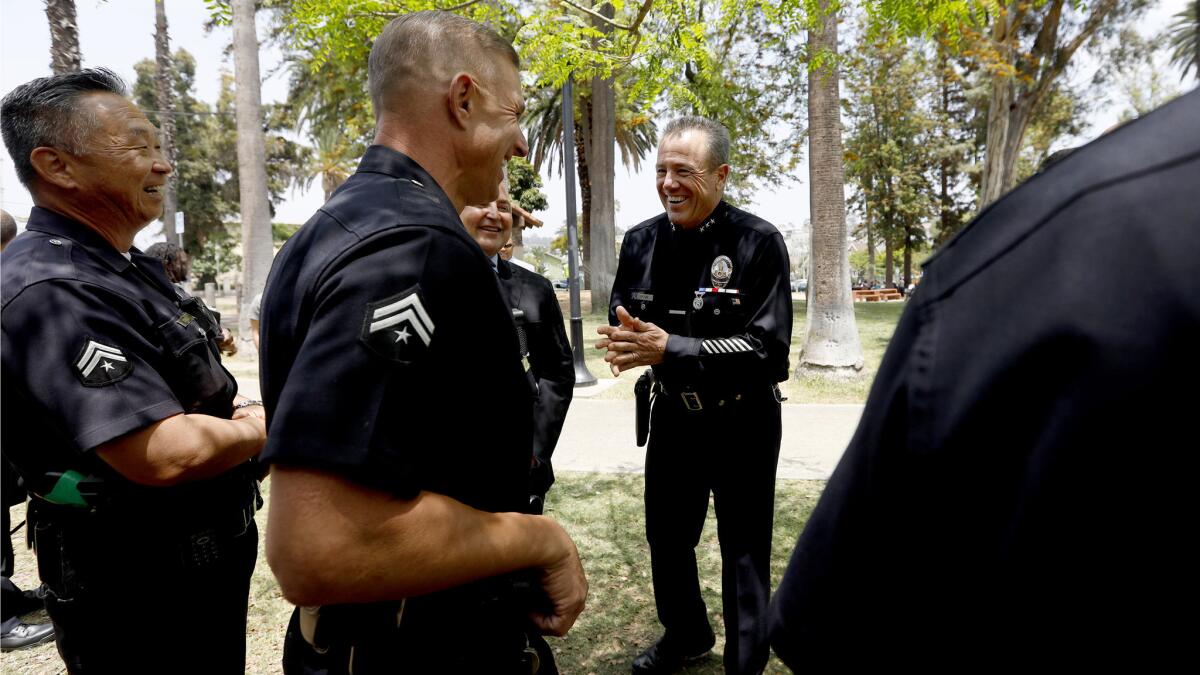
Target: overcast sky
(119, 33)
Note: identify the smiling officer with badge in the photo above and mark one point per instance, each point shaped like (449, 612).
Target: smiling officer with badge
(701, 295)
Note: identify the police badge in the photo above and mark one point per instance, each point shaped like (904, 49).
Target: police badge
(722, 269)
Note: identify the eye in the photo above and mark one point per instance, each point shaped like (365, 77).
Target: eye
(662, 172)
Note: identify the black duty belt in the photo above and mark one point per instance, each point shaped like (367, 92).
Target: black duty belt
(695, 399)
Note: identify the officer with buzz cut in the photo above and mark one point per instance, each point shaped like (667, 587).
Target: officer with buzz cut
(391, 365)
(702, 296)
(117, 412)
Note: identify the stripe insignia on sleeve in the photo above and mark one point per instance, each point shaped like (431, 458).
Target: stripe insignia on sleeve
(733, 345)
(100, 365)
(398, 328)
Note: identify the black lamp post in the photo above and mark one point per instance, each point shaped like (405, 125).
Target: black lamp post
(583, 378)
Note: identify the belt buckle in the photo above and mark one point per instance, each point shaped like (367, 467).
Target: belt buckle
(691, 400)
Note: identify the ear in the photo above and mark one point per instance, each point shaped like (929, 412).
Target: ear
(722, 175)
(53, 166)
(462, 99)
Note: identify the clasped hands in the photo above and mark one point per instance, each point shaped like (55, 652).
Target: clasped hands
(631, 344)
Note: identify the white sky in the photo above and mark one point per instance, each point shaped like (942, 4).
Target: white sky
(119, 33)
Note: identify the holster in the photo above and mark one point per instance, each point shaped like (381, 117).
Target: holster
(642, 391)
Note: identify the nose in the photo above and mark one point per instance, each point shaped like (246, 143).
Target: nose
(669, 182)
(161, 165)
(521, 148)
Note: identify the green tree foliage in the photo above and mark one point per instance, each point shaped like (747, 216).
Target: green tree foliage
(206, 164)
(1183, 39)
(889, 150)
(525, 185)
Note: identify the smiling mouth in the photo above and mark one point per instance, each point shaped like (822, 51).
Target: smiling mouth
(675, 201)
(154, 190)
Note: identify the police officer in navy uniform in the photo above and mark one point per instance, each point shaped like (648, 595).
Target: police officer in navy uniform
(1020, 489)
(390, 360)
(117, 412)
(551, 364)
(701, 294)
(547, 355)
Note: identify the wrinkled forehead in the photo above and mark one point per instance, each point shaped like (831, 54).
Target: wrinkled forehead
(118, 116)
(688, 148)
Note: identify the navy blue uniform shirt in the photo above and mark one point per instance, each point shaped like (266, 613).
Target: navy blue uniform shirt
(1021, 489)
(96, 346)
(389, 356)
(740, 334)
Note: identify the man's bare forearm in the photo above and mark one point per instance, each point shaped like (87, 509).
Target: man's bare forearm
(330, 540)
(184, 448)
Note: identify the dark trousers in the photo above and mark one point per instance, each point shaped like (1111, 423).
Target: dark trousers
(10, 595)
(730, 450)
(109, 582)
(11, 599)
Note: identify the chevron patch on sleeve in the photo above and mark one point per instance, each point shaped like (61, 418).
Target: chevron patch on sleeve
(398, 328)
(99, 365)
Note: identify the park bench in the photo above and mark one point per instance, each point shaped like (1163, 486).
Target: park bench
(877, 295)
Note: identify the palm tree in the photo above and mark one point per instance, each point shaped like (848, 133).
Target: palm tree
(635, 133)
(64, 36)
(252, 162)
(1183, 38)
(165, 102)
(831, 343)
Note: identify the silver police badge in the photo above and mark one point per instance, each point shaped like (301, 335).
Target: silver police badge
(722, 269)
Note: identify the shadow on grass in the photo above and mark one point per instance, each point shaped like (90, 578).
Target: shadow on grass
(602, 512)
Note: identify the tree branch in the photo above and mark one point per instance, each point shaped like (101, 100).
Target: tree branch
(598, 16)
(632, 28)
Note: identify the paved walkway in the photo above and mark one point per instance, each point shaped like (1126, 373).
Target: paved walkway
(599, 436)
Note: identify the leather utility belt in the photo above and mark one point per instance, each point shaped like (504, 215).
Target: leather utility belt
(696, 399)
(199, 535)
(486, 622)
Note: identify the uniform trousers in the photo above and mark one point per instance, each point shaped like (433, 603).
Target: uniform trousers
(729, 448)
(182, 594)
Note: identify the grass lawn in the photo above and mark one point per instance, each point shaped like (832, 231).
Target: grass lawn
(603, 513)
(876, 322)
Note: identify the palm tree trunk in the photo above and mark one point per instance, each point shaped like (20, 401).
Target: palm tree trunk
(252, 163)
(602, 257)
(64, 36)
(585, 190)
(831, 342)
(165, 101)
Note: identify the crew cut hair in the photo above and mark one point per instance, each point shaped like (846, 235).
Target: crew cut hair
(46, 112)
(409, 45)
(718, 136)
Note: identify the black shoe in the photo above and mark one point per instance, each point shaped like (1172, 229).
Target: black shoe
(26, 635)
(662, 657)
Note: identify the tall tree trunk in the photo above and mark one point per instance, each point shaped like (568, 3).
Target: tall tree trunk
(870, 250)
(64, 37)
(252, 163)
(585, 191)
(889, 262)
(603, 165)
(908, 240)
(831, 342)
(164, 99)
(602, 257)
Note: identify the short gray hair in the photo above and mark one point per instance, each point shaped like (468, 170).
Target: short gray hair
(414, 43)
(46, 112)
(718, 136)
